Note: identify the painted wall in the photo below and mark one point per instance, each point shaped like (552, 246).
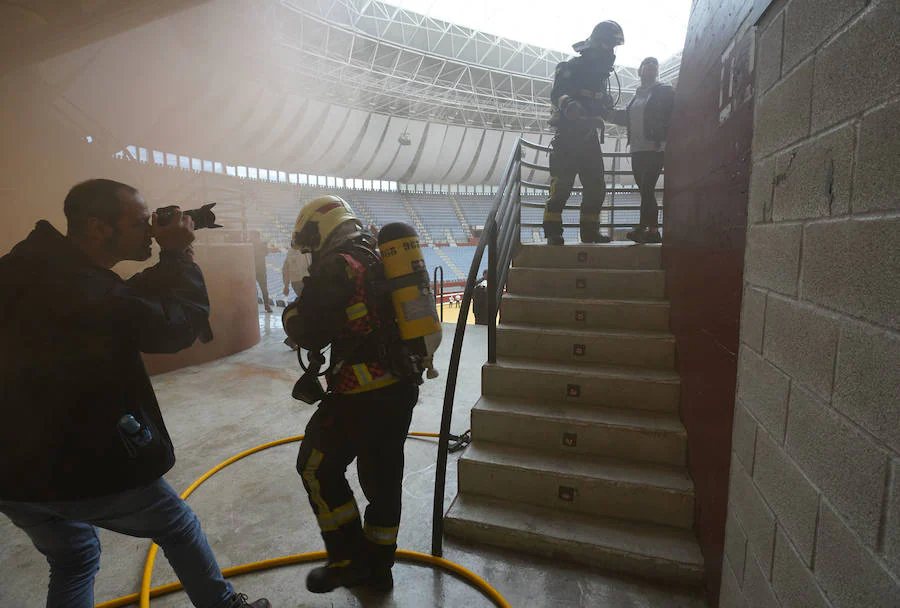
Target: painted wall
(707, 179)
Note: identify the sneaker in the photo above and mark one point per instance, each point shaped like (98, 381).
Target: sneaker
(337, 574)
(240, 601)
(555, 240)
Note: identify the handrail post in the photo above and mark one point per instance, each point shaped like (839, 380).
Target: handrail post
(439, 295)
(492, 294)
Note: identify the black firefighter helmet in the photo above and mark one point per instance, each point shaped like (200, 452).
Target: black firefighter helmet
(606, 35)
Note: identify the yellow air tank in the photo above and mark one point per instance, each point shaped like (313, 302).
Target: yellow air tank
(408, 282)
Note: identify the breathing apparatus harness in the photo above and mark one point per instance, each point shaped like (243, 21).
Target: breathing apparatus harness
(384, 341)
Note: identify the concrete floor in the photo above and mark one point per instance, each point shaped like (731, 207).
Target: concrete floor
(257, 509)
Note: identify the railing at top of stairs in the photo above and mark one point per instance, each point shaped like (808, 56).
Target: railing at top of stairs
(501, 236)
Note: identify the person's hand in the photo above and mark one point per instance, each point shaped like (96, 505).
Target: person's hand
(574, 110)
(287, 290)
(177, 234)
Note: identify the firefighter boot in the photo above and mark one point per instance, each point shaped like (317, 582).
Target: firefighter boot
(344, 573)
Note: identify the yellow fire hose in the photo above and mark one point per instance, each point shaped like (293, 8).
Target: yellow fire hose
(143, 598)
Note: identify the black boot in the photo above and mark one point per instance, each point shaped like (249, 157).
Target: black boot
(345, 573)
(594, 237)
(240, 601)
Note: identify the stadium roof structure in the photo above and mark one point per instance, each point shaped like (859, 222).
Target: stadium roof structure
(382, 58)
(344, 88)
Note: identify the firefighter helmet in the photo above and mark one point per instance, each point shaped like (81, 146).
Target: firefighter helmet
(606, 34)
(318, 220)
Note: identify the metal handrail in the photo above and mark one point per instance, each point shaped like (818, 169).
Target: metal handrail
(439, 295)
(501, 236)
(501, 200)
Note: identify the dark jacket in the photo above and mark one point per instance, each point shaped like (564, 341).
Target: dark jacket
(342, 305)
(586, 82)
(657, 114)
(71, 367)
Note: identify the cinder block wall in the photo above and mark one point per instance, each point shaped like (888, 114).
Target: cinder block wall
(814, 497)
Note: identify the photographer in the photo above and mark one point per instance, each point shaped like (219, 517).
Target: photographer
(82, 439)
(367, 410)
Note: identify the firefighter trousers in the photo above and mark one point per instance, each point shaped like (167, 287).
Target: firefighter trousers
(370, 427)
(575, 154)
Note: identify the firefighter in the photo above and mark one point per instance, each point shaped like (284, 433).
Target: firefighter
(367, 409)
(580, 94)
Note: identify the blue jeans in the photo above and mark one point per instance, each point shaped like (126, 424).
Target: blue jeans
(64, 532)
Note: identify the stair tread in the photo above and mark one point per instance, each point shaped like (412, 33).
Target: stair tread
(612, 245)
(588, 467)
(607, 301)
(592, 331)
(659, 542)
(596, 271)
(658, 422)
(589, 369)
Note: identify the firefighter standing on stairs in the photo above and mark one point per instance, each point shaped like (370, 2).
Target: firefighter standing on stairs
(371, 394)
(580, 94)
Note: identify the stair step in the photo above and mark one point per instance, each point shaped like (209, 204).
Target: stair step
(593, 384)
(657, 552)
(636, 348)
(587, 283)
(612, 255)
(591, 485)
(583, 313)
(570, 428)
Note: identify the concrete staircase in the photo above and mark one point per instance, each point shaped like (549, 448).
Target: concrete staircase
(578, 450)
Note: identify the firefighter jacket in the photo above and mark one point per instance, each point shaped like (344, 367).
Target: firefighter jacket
(341, 305)
(71, 367)
(587, 82)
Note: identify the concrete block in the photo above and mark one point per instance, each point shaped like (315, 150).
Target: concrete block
(858, 69)
(730, 595)
(772, 259)
(802, 342)
(848, 572)
(892, 527)
(876, 185)
(753, 312)
(853, 267)
(755, 517)
(735, 545)
(813, 180)
(867, 380)
(782, 114)
(763, 390)
(793, 499)
(809, 23)
(847, 467)
(757, 589)
(792, 581)
(762, 180)
(743, 436)
(768, 58)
